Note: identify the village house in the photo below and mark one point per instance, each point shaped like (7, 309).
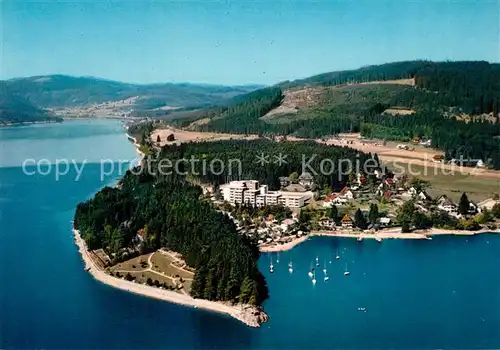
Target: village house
(422, 196)
(387, 194)
(361, 179)
(384, 222)
(328, 224)
(412, 191)
(306, 180)
(446, 204)
(346, 222)
(286, 224)
(284, 181)
(338, 198)
(438, 158)
(425, 143)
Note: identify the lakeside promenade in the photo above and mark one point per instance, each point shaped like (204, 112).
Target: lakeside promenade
(379, 236)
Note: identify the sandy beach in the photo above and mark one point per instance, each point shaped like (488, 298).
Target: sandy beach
(243, 313)
(380, 235)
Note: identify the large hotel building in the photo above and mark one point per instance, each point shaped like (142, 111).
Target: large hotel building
(251, 193)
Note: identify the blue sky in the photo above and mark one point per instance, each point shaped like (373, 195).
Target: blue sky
(238, 42)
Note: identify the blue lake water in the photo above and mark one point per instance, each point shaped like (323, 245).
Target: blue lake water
(443, 293)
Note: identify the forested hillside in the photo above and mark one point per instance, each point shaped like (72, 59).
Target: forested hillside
(63, 91)
(456, 104)
(173, 215)
(15, 109)
(243, 114)
(239, 159)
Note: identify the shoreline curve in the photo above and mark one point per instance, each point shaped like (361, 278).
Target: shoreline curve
(379, 236)
(247, 314)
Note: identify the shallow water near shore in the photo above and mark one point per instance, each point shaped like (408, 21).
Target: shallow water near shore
(443, 293)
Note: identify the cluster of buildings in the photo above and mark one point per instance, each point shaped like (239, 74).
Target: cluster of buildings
(109, 109)
(446, 204)
(250, 192)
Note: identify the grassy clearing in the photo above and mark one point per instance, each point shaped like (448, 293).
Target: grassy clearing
(136, 264)
(163, 263)
(477, 188)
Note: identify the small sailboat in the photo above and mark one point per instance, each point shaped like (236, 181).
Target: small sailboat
(326, 278)
(271, 266)
(346, 273)
(278, 258)
(314, 278)
(290, 266)
(311, 270)
(317, 262)
(337, 256)
(324, 268)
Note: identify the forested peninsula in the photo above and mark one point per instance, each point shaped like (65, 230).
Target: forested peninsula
(172, 214)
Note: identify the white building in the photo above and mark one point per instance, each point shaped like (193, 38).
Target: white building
(340, 198)
(251, 193)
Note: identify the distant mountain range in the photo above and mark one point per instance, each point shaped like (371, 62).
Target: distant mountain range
(63, 91)
(24, 98)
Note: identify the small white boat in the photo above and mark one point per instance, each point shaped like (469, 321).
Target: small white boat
(314, 278)
(337, 256)
(290, 267)
(310, 273)
(317, 261)
(324, 268)
(346, 273)
(326, 278)
(271, 266)
(278, 258)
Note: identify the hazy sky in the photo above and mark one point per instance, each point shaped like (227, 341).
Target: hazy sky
(238, 42)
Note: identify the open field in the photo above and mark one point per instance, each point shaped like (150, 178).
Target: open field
(160, 266)
(353, 97)
(420, 156)
(453, 185)
(166, 264)
(133, 264)
(399, 111)
(183, 136)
